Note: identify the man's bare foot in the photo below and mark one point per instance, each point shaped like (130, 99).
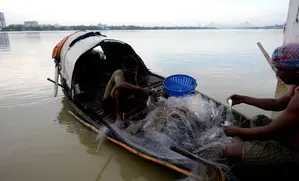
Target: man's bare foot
(118, 121)
(118, 117)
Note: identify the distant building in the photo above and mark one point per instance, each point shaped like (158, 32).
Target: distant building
(2, 20)
(30, 23)
(245, 25)
(103, 26)
(57, 25)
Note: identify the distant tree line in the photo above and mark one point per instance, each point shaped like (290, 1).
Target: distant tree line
(271, 27)
(132, 27)
(20, 27)
(47, 28)
(280, 26)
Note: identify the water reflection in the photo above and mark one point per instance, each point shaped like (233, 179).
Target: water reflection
(4, 42)
(130, 166)
(85, 136)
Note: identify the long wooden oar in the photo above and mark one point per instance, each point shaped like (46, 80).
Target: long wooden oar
(103, 169)
(194, 157)
(266, 55)
(220, 167)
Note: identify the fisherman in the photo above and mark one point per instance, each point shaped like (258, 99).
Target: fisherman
(277, 141)
(122, 84)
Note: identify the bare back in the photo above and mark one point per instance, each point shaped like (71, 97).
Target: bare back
(288, 122)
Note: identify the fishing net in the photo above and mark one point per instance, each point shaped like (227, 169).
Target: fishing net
(191, 123)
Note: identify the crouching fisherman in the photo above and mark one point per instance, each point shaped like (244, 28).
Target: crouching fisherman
(271, 142)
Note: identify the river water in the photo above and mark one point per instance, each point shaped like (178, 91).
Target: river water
(41, 141)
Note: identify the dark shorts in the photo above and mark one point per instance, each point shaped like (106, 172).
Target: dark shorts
(267, 152)
(109, 105)
(128, 102)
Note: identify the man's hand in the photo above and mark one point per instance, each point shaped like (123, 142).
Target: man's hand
(149, 92)
(154, 92)
(231, 131)
(237, 99)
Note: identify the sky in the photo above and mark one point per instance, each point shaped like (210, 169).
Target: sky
(146, 12)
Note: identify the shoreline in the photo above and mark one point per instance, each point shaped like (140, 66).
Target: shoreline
(143, 29)
(21, 27)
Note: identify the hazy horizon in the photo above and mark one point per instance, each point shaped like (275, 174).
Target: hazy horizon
(147, 13)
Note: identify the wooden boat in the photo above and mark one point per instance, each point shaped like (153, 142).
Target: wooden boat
(84, 72)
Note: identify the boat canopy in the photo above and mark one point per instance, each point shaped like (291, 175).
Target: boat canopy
(67, 51)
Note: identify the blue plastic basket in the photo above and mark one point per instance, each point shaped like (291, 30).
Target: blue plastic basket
(179, 85)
